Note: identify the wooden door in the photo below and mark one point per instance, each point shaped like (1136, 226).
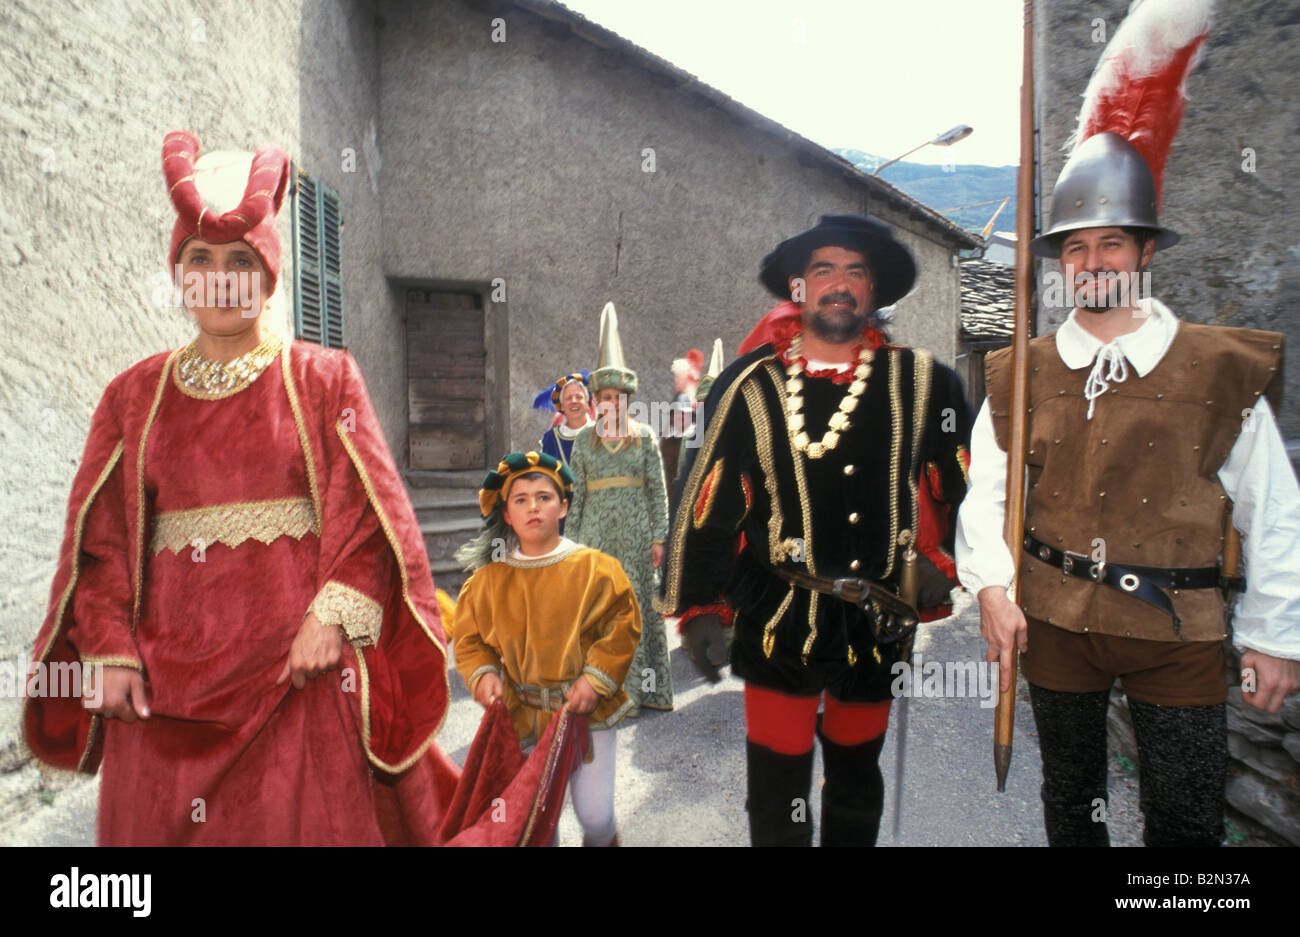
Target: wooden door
(445, 372)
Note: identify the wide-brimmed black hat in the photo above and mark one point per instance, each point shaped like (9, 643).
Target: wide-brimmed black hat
(892, 266)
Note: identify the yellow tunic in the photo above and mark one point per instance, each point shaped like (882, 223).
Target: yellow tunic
(543, 623)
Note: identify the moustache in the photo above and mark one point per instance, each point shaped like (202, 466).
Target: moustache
(843, 298)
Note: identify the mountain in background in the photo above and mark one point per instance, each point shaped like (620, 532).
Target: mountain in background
(964, 185)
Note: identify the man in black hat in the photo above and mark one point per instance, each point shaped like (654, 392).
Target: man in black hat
(831, 451)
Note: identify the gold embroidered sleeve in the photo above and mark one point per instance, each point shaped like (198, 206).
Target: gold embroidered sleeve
(600, 681)
(479, 674)
(714, 503)
(129, 662)
(360, 616)
(615, 621)
(97, 598)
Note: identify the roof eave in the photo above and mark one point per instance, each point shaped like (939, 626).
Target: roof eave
(954, 235)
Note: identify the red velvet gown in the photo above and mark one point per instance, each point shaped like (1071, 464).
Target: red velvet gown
(227, 756)
(196, 563)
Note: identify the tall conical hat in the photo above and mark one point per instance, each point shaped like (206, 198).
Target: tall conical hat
(613, 370)
(1131, 111)
(715, 368)
(715, 362)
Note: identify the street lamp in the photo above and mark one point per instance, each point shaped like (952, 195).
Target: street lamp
(960, 132)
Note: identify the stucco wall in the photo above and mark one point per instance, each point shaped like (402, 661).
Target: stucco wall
(928, 316)
(342, 146)
(524, 160)
(1239, 261)
(87, 92)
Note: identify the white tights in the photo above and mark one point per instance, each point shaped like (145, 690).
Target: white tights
(591, 789)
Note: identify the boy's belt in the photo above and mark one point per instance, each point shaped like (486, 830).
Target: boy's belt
(551, 699)
(546, 698)
(1142, 582)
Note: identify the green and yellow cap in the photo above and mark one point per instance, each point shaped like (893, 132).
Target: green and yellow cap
(496, 484)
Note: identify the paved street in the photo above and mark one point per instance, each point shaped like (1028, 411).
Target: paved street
(681, 775)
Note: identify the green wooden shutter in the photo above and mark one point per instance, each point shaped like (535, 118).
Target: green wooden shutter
(317, 262)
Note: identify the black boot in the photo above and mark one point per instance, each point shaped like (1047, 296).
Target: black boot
(854, 793)
(779, 814)
(1072, 741)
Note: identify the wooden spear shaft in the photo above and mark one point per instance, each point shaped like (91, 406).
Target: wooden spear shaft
(1013, 529)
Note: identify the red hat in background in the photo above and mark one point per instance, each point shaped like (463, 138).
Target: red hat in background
(226, 197)
(686, 371)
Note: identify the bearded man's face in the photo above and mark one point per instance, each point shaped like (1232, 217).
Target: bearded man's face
(837, 290)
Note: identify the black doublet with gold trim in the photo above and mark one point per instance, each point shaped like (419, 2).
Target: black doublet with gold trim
(838, 515)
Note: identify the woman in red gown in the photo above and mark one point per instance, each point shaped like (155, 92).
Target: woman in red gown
(243, 563)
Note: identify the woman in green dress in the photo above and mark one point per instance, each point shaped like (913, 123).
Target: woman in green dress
(620, 507)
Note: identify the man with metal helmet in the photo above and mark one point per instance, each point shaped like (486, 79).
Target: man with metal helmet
(1145, 435)
(826, 450)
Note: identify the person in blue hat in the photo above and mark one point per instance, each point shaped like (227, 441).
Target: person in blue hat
(571, 398)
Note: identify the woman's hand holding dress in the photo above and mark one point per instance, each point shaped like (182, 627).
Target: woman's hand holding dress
(316, 650)
(120, 695)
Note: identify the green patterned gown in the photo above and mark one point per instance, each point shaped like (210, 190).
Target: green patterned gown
(620, 507)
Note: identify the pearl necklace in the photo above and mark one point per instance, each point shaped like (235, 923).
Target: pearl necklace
(839, 420)
(200, 377)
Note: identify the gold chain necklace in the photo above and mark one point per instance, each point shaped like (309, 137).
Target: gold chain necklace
(839, 420)
(199, 377)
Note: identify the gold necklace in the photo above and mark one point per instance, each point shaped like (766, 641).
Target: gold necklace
(839, 420)
(199, 377)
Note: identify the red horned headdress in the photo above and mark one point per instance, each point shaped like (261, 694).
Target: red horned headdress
(226, 196)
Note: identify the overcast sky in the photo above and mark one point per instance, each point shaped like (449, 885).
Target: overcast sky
(875, 75)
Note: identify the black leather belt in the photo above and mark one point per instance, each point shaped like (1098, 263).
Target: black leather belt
(851, 590)
(1142, 582)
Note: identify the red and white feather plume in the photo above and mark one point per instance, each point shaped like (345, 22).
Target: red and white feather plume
(1138, 87)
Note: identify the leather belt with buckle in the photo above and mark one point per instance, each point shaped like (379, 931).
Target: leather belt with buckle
(1142, 582)
(892, 618)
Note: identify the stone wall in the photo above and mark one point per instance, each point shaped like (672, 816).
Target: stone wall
(527, 160)
(1264, 778)
(1263, 761)
(1239, 261)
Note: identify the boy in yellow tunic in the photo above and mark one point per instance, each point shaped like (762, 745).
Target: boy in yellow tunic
(544, 622)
